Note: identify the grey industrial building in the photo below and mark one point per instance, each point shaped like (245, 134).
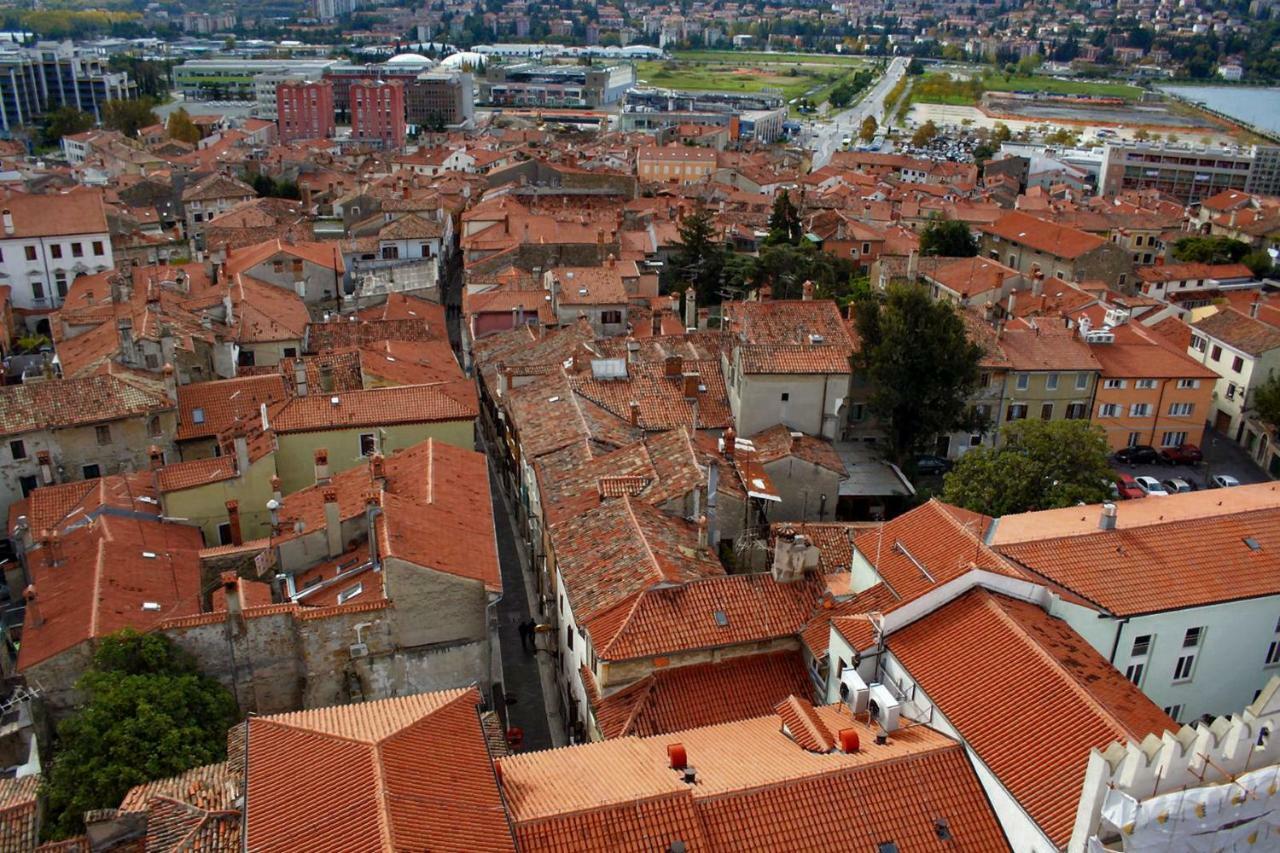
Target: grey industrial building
(530, 84)
(1190, 172)
(757, 116)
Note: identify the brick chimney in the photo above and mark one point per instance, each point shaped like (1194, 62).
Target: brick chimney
(806, 291)
(635, 413)
(156, 455)
(233, 521)
(691, 382)
(673, 366)
(46, 466)
(332, 522)
(378, 470)
(730, 443)
(322, 466)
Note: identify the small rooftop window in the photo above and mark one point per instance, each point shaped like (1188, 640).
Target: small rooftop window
(197, 416)
(1254, 544)
(722, 618)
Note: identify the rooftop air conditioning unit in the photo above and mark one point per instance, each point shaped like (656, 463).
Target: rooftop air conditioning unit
(854, 691)
(359, 650)
(883, 707)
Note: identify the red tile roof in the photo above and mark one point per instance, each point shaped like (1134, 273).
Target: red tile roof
(77, 402)
(97, 578)
(703, 694)
(221, 403)
(445, 401)
(19, 813)
(411, 773)
(1240, 331)
(783, 336)
(1165, 565)
(55, 214)
(1060, 241)
(756, 790)
(1054, 697)
(195, 472)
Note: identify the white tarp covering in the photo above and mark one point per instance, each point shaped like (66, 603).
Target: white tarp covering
(1243, 815)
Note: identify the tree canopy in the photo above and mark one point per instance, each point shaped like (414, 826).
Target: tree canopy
(699, 257)
(948, 238)
(784, 221)
(149, 714)
(1259, 262)
(182, 128)
(867, 131)
(924, 134)
(1038, 465)
(1210, 250)
(64, 121)
(1266, 400)
(129, 117)
(920, 364)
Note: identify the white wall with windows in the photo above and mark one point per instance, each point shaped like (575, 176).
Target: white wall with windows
(1199, 660)
(1239, 373)
(40, 269)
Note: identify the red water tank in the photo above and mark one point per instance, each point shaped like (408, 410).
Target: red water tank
(849, 740)
(679, 758)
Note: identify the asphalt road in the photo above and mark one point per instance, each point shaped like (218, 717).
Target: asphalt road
(826, 140)
(1222, 456)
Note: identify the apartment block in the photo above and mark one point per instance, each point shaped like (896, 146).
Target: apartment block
(306, 109)
(377, 113)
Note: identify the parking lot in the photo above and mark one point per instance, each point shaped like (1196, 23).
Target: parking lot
(1221, 456)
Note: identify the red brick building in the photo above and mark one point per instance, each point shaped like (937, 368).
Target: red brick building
(305, 109)
(377, 112)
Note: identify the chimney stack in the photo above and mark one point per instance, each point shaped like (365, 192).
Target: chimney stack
(635, 413)
(806, 291)
(46, 466)
(276, 485)
(332, 522)
(242, 454)
(1253, 308)
(378, 470)
(8, 222)
(233, 521)
(322, 466)
(156, 456)
(691, 381)
(730, 443)
(1108, 519)
(702, 532)
(300, 377)
(673, 366)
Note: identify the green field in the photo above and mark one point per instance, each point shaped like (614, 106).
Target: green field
(941, 88)
(814, 82)
(760, 57)
(1100, 88)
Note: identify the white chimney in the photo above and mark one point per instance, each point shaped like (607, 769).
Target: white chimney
(8, 222)
(1107, 521)
(332, 522)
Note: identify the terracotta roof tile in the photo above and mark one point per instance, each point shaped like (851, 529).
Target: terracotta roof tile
(76, 402)
(377, 407)
(96, 579)
(702, 694)
(196, 472)
(206, 409)
(212, 786)
(804, 726)
(1178, 563)
(1240, 331)
(756, 790)
(19, 817)
(1058, 699)
(55, 214)
(402, 774)
(1060, 241)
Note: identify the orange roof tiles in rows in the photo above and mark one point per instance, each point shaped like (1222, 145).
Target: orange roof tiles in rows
(1240, 331)
(19, 813)
(77, 402)
(195, 472)
(410, 773)
(1051, 238)
(547, 415)
(702, 694)
(206, 409)
(399, 404)
(1163, 566)
(756, 790)
(663, 403)
(1028, 695)
(789, 336)
(97, 578)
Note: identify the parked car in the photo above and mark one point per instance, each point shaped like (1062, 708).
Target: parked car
(1175, 485)
(1183, 454)
(1127, 488)
(1138, 454)
(1222, 481)
(1153, 487)
(932, 465)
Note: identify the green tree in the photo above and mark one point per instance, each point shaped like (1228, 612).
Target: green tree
(920, 364)
(948, 238)
(1259, 262)
(1001, 132)
(868, 130)
(64, 121)
(784, 221)
(1038, 465)
(182, 128)
(129, 117)
(699, 257)
(1266, 400)
(924, 134)
(1210, 250)
(915, 67)
(149, 714)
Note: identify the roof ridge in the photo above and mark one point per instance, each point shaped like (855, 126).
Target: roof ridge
(650, 686)
(1072, 682)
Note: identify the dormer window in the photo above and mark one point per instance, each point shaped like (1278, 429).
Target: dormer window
(197, 416)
